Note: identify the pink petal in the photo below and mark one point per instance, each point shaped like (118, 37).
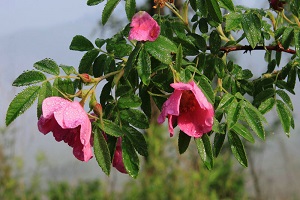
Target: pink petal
(171, 106)
(53, 104)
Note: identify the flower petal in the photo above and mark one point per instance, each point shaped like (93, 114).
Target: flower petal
(171, 106)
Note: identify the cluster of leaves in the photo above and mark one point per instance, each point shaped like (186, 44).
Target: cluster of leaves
(138, 72)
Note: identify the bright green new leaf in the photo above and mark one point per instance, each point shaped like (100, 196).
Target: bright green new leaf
(47, 65)
(225, 101)
(144, 66)
(94, 2)
(183, 142)
(135, 117)
(29, 78)
(205, 151)
(130, 158)
(130, 6)
(68, 69)
(254, 121)
(243, 131)
(87, 60)
(137, 139)
(286, 98)
(237, 148)
(214, 10)
(233, 21)
(108, 9)
(284, 116)
(21, 103)
(101, 151)
(266, 106)
(81, 43)
(111, 128)
(252, 28)
(161, 49)
(227, 4)
(45, 91)
(129, 101)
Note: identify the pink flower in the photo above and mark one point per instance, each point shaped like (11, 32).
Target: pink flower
(68, 122)
(118, 158)
(143, 27)
(189, 108)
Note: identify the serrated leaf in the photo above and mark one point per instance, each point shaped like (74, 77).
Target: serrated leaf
(129, 101)
(94, 2)
(297, 42)
(252, 28)
(68, 69)
(233, 21)
(101, 151)
(205, 151)
(132, 58)
(214, 42)
(144, 66)
(81, 43)
(287, 37)
(130, 6)
(135, 117)
(130, 158)
(137, 139)
(227, 4)
(282, 111)
(264, 95)
(225, 101)
(237, 148)
(87, 60)
(254, 122)
(63, 87)
(108, 9)
(286, 98)
(233, 113)
(178, 62)
(183, 142)
(266, 106)
(161, 49)
(243, 131)
(21, 103)
(45, 91)
(214, 10)
(47, 65)
(218, 143)
(29, 78)
(204, 84)
(111, 128)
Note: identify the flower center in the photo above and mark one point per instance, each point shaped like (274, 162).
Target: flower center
(188, 102)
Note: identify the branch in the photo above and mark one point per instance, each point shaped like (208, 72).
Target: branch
(247, 48)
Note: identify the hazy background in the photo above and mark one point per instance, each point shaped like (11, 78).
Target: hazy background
(32, 30)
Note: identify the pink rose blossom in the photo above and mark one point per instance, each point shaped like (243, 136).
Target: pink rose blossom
(143, 27)
(68, 122)
(189, 108)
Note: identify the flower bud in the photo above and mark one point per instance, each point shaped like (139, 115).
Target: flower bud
(98, 109)
(85, 78)
(277, 4)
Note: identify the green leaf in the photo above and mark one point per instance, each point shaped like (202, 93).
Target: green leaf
(286, 98)
(63, 87)
(214, 10)
(183, 142)
(111, 128)
(21, 103)
(135, 118)
(161, 49)
(218, 143)
(144, 66)
(227, 4)
(254, 122)
(87, 60)
(264, 95)
(81, 43)
(214, 42)
(29, 78)
(237, 148)
(205, 85)
(137, 139)
(205, 151)
(132, 58)
(185, 75)
(233, 113)
(266, 106)
(287, 37)
(130, 158)
(282, 111)
(101, 151)
(243, 131)
(99, 65)
(179, 56)
(45, 91)
(68, 69)
(225, 101)
(129, 101)
(94, 2)
(297, 41)
(252, 28)
(108, 9)
(47, 65)
(130, 6)
(233, 22)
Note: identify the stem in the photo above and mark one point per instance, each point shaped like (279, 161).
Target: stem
(296, 20)
(223, 36)
(287, 19)
(249, 48)
(176, 12)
